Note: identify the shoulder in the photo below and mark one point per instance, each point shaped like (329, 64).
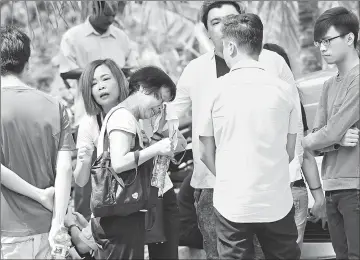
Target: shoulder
(199, 62)
(268, 56)
(73, 32)
(122, 119)
(119, 32)
(272, 61)
(45, 98)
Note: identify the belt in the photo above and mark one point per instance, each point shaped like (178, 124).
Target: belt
(299, 183)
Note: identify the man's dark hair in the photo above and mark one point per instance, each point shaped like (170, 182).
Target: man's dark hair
(342, 19)
(151, 79)
(246, 30)
(15, 50)
(208, 5)
(279, 50)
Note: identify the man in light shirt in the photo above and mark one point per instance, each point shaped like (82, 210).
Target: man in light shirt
(96, 38)
(252, 122)
(192, 86)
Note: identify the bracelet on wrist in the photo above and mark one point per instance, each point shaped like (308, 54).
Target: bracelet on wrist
(154, 139)
(158, 135)
(315, 188)
(73, 225)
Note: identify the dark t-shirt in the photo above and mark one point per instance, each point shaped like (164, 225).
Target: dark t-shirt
(221, 67)
(34, 127)
(304, 120)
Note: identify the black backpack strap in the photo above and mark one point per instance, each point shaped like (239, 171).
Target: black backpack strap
(99, 120)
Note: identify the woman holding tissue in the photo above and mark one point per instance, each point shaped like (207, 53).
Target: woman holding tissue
(104, 87)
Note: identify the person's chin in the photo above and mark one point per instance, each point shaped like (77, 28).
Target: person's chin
(329, 59)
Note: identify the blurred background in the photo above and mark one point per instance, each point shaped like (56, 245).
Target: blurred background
(163, 33)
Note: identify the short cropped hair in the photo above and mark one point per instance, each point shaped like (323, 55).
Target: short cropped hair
(279, 50)
(87, 77)
(15, 50)
(246, 30)
(208, 5)
(151, 79)
(342, 19)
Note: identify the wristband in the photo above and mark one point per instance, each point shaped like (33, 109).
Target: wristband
(73, 225)
(316, 188)
(158, 135)
(154, 139)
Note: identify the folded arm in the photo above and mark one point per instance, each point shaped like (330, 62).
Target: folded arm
(336, 126)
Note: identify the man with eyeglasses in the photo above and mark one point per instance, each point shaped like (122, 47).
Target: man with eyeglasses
(336, 129)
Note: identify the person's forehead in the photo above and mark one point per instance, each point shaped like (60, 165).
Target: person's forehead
(331, 33)
(222, 11)
(102, 70)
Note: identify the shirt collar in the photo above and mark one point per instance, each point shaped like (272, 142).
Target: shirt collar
(88, 29)
(248, 64)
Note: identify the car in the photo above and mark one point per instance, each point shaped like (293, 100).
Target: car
(317, 242)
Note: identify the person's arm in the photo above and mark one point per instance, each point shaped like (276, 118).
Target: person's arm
(337, 125)
(207, 145)
(63, 175)
(208, 152)
(122, 128)
(85, 151)
(290, 146)
(69, 68)
(121, 157)
(15, 183)
(76, 233)
(182, 103)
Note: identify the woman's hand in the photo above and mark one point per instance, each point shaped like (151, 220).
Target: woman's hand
(165, 147)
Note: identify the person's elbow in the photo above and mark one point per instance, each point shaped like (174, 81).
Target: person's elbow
(119, 165)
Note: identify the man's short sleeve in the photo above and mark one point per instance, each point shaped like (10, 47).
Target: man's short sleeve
(122, 120)
(293, 121)
(67, 56)
(205, 125)
(66, 142)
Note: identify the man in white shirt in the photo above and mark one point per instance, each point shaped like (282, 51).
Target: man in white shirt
(96, 38)
(251, 124)
(192, 87)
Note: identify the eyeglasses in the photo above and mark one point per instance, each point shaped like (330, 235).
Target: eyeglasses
(326, 42)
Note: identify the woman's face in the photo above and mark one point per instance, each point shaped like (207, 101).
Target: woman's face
(152, 103)
(105, 88)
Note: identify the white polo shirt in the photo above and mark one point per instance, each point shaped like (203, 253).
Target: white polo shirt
(193, 86)
(250, 117)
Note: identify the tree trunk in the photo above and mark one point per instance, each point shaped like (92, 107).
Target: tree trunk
(309, 54)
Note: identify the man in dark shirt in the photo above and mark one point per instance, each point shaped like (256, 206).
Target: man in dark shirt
(36, 145)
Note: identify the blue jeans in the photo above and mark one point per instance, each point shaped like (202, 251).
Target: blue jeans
(343, 212)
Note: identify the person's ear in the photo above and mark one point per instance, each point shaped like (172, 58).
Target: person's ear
(232, 49)
(350, 39)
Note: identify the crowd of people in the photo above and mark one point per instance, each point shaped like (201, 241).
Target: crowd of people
(253, 151)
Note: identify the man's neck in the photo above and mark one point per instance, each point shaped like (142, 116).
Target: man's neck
(242, 58)
(96, 28)
(350, 61)
(11, 80)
